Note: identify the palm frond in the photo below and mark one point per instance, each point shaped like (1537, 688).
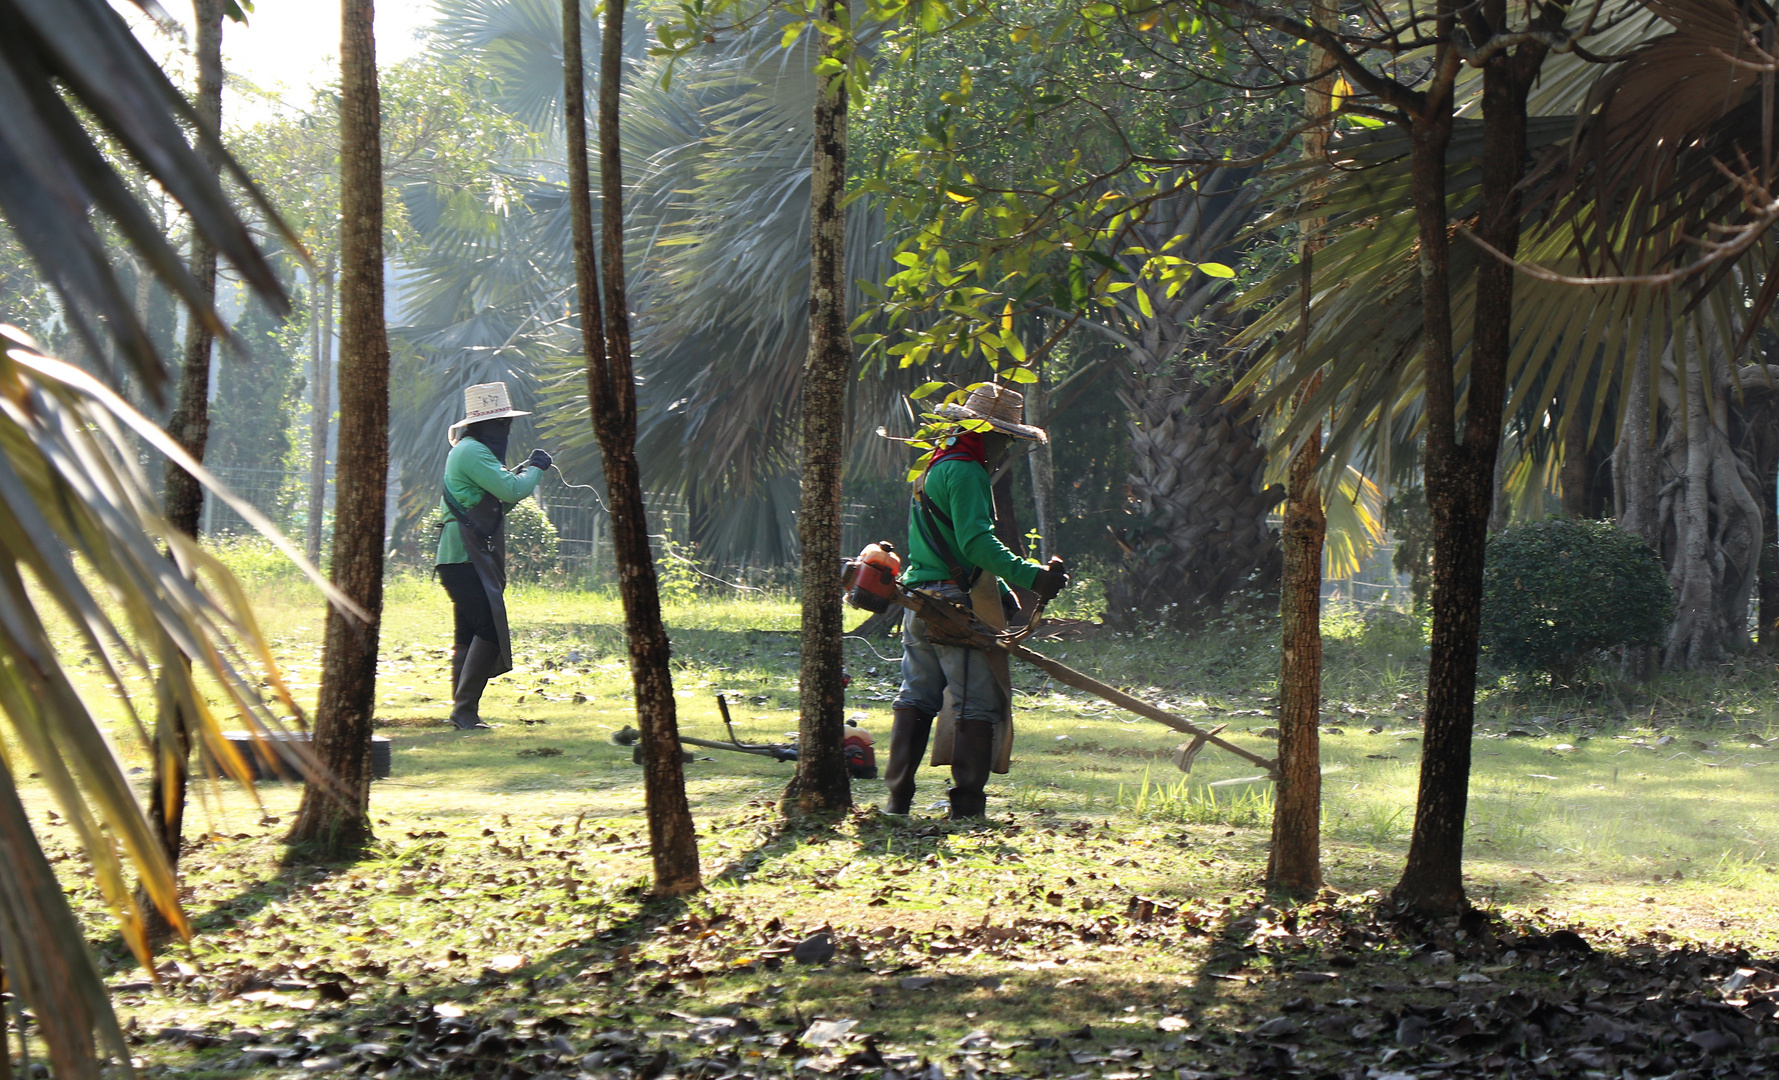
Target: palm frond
(52, 172)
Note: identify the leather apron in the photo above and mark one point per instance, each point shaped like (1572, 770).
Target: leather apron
(483, 529)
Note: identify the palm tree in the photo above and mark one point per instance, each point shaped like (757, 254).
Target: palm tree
(82, 521)
(718, 224)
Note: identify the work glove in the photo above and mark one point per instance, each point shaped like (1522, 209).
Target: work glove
(1051, 580)
(539, 459)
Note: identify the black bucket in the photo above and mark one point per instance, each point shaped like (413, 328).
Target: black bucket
(268, 764)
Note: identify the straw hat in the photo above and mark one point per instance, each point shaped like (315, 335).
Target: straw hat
(484, 401)
(1003, 408)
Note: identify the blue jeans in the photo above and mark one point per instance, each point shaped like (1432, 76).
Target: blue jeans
(928, 668)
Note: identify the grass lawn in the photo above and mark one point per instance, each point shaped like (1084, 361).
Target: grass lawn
(1105, 925)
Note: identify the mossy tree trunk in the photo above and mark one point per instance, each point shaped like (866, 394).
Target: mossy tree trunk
(821, 784)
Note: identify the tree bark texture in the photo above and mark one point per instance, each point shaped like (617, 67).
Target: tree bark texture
(321, 316)
(1294, 865)
(1764, 435)
(190, 422)
(1043, 467)
(1461, 475)
(821, 784)
(1199, 501)
(611, 395)
(1709, 506)
(1634, 481)
(1199, 491)
(334, 823)
(1432, 876)
(190, 427)
(1585, 475)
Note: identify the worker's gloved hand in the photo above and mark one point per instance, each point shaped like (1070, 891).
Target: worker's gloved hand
(539, 459)
(1052, 579)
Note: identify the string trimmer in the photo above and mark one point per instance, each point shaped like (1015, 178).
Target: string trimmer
(871, 584)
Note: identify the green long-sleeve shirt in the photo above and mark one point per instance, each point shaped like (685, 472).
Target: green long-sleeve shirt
(472, 473)
(961, 490)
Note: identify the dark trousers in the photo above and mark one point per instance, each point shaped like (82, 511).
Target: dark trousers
(469, 603)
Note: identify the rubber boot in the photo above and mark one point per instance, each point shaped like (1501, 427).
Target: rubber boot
(907, 745)
(457, 655)
(479, 663)
(971, 756)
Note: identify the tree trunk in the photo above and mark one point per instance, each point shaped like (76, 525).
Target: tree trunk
(1634, 483)
(333, 823)
(1043, 467)
(321, 295)
(1198, 492)
(821, 784)
(1294, 865)
(1693, 640)
(190, 427)
(611, 395)
(1766, 468)
(1461, 476)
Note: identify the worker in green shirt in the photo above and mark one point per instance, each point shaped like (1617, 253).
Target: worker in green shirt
(953, 552)
(479, 490)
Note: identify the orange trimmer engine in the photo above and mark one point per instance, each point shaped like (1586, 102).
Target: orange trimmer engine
(861, 753)
(870, 579)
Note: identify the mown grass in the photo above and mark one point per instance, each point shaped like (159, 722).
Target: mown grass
(526, 841)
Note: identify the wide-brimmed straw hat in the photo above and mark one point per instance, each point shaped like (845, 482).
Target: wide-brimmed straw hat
(1002, 407)
(484, 401)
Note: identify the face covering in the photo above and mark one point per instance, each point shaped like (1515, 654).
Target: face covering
(493, 434)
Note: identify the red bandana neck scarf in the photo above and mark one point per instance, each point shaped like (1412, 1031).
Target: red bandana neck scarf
(964, 446)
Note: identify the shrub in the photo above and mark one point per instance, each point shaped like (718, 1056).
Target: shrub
(531, 540)
(1557, 592)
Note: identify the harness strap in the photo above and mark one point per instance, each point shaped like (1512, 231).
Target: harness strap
(462, 516)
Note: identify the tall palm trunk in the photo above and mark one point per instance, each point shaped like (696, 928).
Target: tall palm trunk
(1294, 866)
(821, 783)
(611, 395)
(190, 425)
(321, 315)
(333, 823)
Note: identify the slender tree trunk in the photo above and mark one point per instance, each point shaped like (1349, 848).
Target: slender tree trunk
(334, 823)
(1043, 466)
(821, 783)
(1767, 469)
(322, 317)
(611, 394)
(1461, 476)
(1634, 483)
(1294, 866)
(190, 426)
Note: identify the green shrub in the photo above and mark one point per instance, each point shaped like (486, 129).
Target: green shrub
(1557, 592)
(531, 542)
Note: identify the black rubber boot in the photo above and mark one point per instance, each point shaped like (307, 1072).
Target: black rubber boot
(479, 662)
(907, 745)
(971, 756)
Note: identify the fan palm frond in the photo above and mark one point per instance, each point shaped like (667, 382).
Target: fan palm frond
(52, 172)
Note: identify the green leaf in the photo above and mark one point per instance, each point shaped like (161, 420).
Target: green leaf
(926, 390)
(1021, 375)
(1216, 270)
